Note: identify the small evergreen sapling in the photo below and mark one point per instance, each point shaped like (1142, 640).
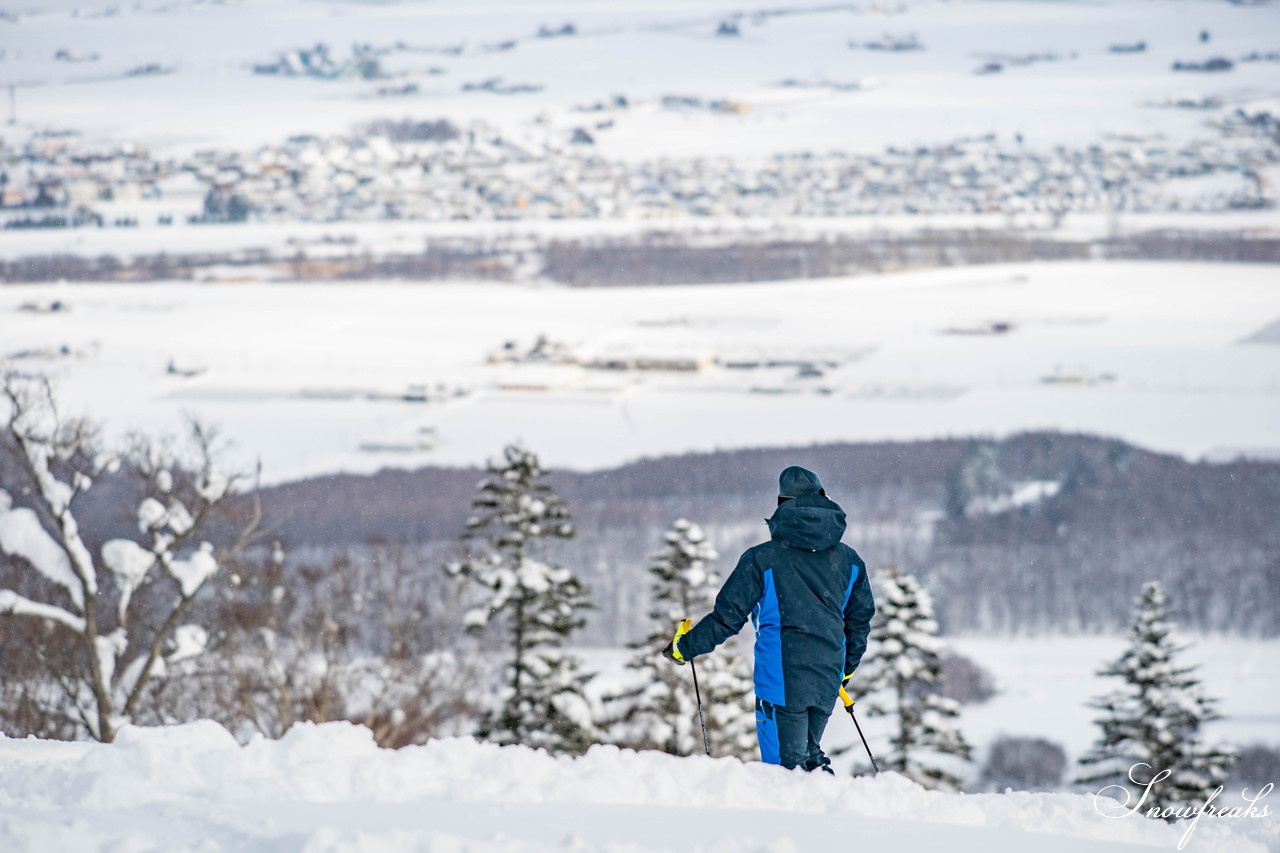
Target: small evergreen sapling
(904, 673)
(1151, 723)
(662, 712)
(538, 604)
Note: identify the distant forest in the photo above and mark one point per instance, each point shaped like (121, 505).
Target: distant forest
(1070, 560)
(655, 257)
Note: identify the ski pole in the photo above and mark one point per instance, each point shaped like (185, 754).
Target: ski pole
(848, 706)
(706, 744)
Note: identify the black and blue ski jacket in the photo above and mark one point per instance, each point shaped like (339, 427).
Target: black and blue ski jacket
(807, 595)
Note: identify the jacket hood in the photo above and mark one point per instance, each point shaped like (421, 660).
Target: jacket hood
(810, 522)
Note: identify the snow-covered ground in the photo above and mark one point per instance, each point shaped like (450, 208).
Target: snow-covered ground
(328, 788)
(643, 50)
(312, 378)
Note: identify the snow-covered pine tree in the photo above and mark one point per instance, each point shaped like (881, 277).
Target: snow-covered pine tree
(537, 603)
(662, 713)
(901, 675)
(1154, 718)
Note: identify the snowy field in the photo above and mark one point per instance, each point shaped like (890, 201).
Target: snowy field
(321, 378)
(208, 94)
(1042, 684)
(328, 788)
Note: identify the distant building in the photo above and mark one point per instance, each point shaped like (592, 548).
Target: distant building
(633, 357)
(540, 378)
(1218, 63)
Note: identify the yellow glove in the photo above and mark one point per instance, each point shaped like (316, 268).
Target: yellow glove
(844, 696)
(672, 651)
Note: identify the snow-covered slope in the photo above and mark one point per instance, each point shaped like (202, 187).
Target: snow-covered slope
(328, 788)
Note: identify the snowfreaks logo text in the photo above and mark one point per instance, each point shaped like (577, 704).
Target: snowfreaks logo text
(1108, 807)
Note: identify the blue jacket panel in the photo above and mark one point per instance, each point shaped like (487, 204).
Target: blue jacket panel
(810, 601)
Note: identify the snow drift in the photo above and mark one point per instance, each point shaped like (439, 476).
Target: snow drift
(329, 788)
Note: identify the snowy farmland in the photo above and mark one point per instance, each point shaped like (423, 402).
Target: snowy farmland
(1060, 81)
(319, 378)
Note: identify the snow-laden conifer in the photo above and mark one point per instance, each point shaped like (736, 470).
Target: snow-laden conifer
(1150, 724)
(537, 604)
(900, 674)
(661, 712)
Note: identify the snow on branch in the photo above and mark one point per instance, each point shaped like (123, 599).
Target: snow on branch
(22, 535)
(129, 562)
(11, 602)
(189, 641)
(41, 437)
(192, 572)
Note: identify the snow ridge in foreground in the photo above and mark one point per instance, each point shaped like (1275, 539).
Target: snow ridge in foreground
(329, 788)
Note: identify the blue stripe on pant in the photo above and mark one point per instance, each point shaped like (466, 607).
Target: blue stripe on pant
(791, 737)
(767, 734)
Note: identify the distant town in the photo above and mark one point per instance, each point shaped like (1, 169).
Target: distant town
(439, 171)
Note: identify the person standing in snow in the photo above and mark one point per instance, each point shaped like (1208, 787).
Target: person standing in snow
(808, 596)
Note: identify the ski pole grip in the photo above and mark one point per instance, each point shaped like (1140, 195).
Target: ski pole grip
(846, 698)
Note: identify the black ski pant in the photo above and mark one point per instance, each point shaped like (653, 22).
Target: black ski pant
(790, 736)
